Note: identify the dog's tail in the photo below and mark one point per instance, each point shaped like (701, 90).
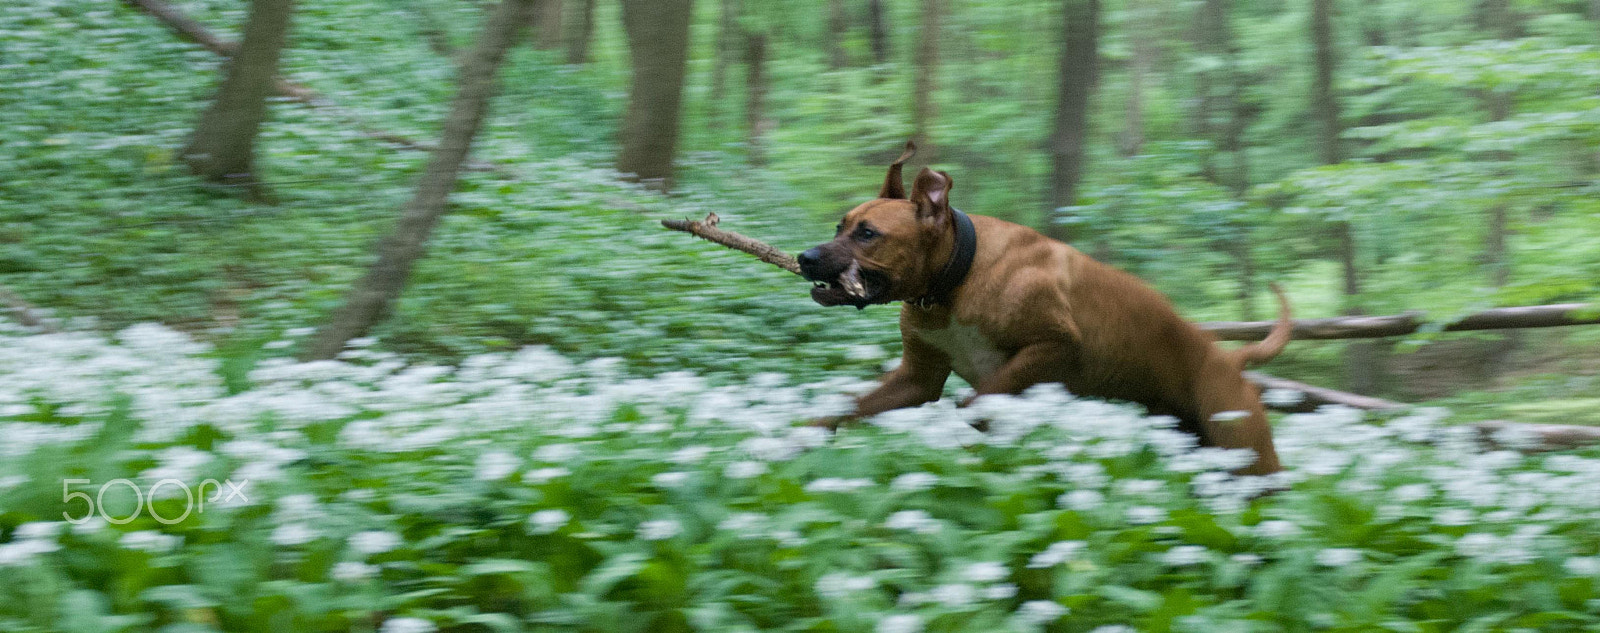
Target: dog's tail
(1267, 348)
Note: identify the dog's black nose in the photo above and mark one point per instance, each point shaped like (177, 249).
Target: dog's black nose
(808, 260)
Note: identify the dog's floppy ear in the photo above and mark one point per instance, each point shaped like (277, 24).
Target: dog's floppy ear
(893, 185)
(931, 193)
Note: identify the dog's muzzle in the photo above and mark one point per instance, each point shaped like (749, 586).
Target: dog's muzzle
(839, 279)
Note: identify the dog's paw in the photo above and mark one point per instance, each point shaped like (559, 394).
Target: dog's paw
(830, 423)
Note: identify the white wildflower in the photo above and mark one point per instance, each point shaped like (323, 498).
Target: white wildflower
(985, 572)
(900, 623)
(291, 534)
(1478, 545)
(1081, 500)
(352, 571)
(1184, 555)
(1456, 517)
(38, 530)
(671, 479)
(1057, 553)
(1145, 515)
(914, 482)
(659, 529)
(556, 453)
(690, 455)
(544, 475)
(1582, 565)
(1040, 612)
(548, 521)
(374, 542)
(19, 553)
(743, 522)
(954, 595)
(836, 484)
(1001, 591)
(1338, 557)
(838, 586)
(150, 541)
(1276, 529)
(914, 520)
(745, 469)
(407, 625)
(496, 466)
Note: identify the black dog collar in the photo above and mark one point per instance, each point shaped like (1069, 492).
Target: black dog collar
(955, 270)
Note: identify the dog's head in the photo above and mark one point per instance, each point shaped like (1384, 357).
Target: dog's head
(887, 249)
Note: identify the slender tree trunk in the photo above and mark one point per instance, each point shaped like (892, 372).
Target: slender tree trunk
(755, 64)
(223, 145)
(1360, 357)
(728, 33)
(547, 24)
(1324, 103)
(658, 42)
(923, 108)
(838, 27)
(878, 31)
(1076, 74)
(431, 30)
(370, 299)
(1132, 138)
(1500, 19)
(582, 29)
(1210, 42)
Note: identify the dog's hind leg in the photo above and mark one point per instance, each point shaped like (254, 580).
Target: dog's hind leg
(1231, 416)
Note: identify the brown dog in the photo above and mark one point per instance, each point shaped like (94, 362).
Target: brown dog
(1007, 308)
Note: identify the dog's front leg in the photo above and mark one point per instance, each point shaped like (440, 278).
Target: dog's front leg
(919, 379)
(1031, 365)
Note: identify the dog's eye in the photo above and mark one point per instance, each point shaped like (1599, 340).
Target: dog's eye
(839, 228)
(864, 233)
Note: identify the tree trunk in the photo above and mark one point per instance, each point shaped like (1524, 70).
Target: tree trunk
(923, 108)
(372, 296)
(223, 146)
(658, 42)
(1209, 42)
(1361, 357)
(878, 32)
(547, 25)
(755, 64)
(581, 30)
(728, 33)
(1076, 74)
(1501, 20)
(1132, 138)
(838, 27)
(1324, 104)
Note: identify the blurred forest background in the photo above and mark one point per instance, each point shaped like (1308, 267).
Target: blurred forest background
(1377, 157)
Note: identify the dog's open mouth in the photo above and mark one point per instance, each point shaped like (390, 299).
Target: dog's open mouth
(854, 286)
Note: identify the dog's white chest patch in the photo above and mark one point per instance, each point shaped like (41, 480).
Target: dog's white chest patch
(972, 356)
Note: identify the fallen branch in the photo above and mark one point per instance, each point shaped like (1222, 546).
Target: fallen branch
(1402, 324)
(707, 230)
(1317, 396)
(194, 31)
